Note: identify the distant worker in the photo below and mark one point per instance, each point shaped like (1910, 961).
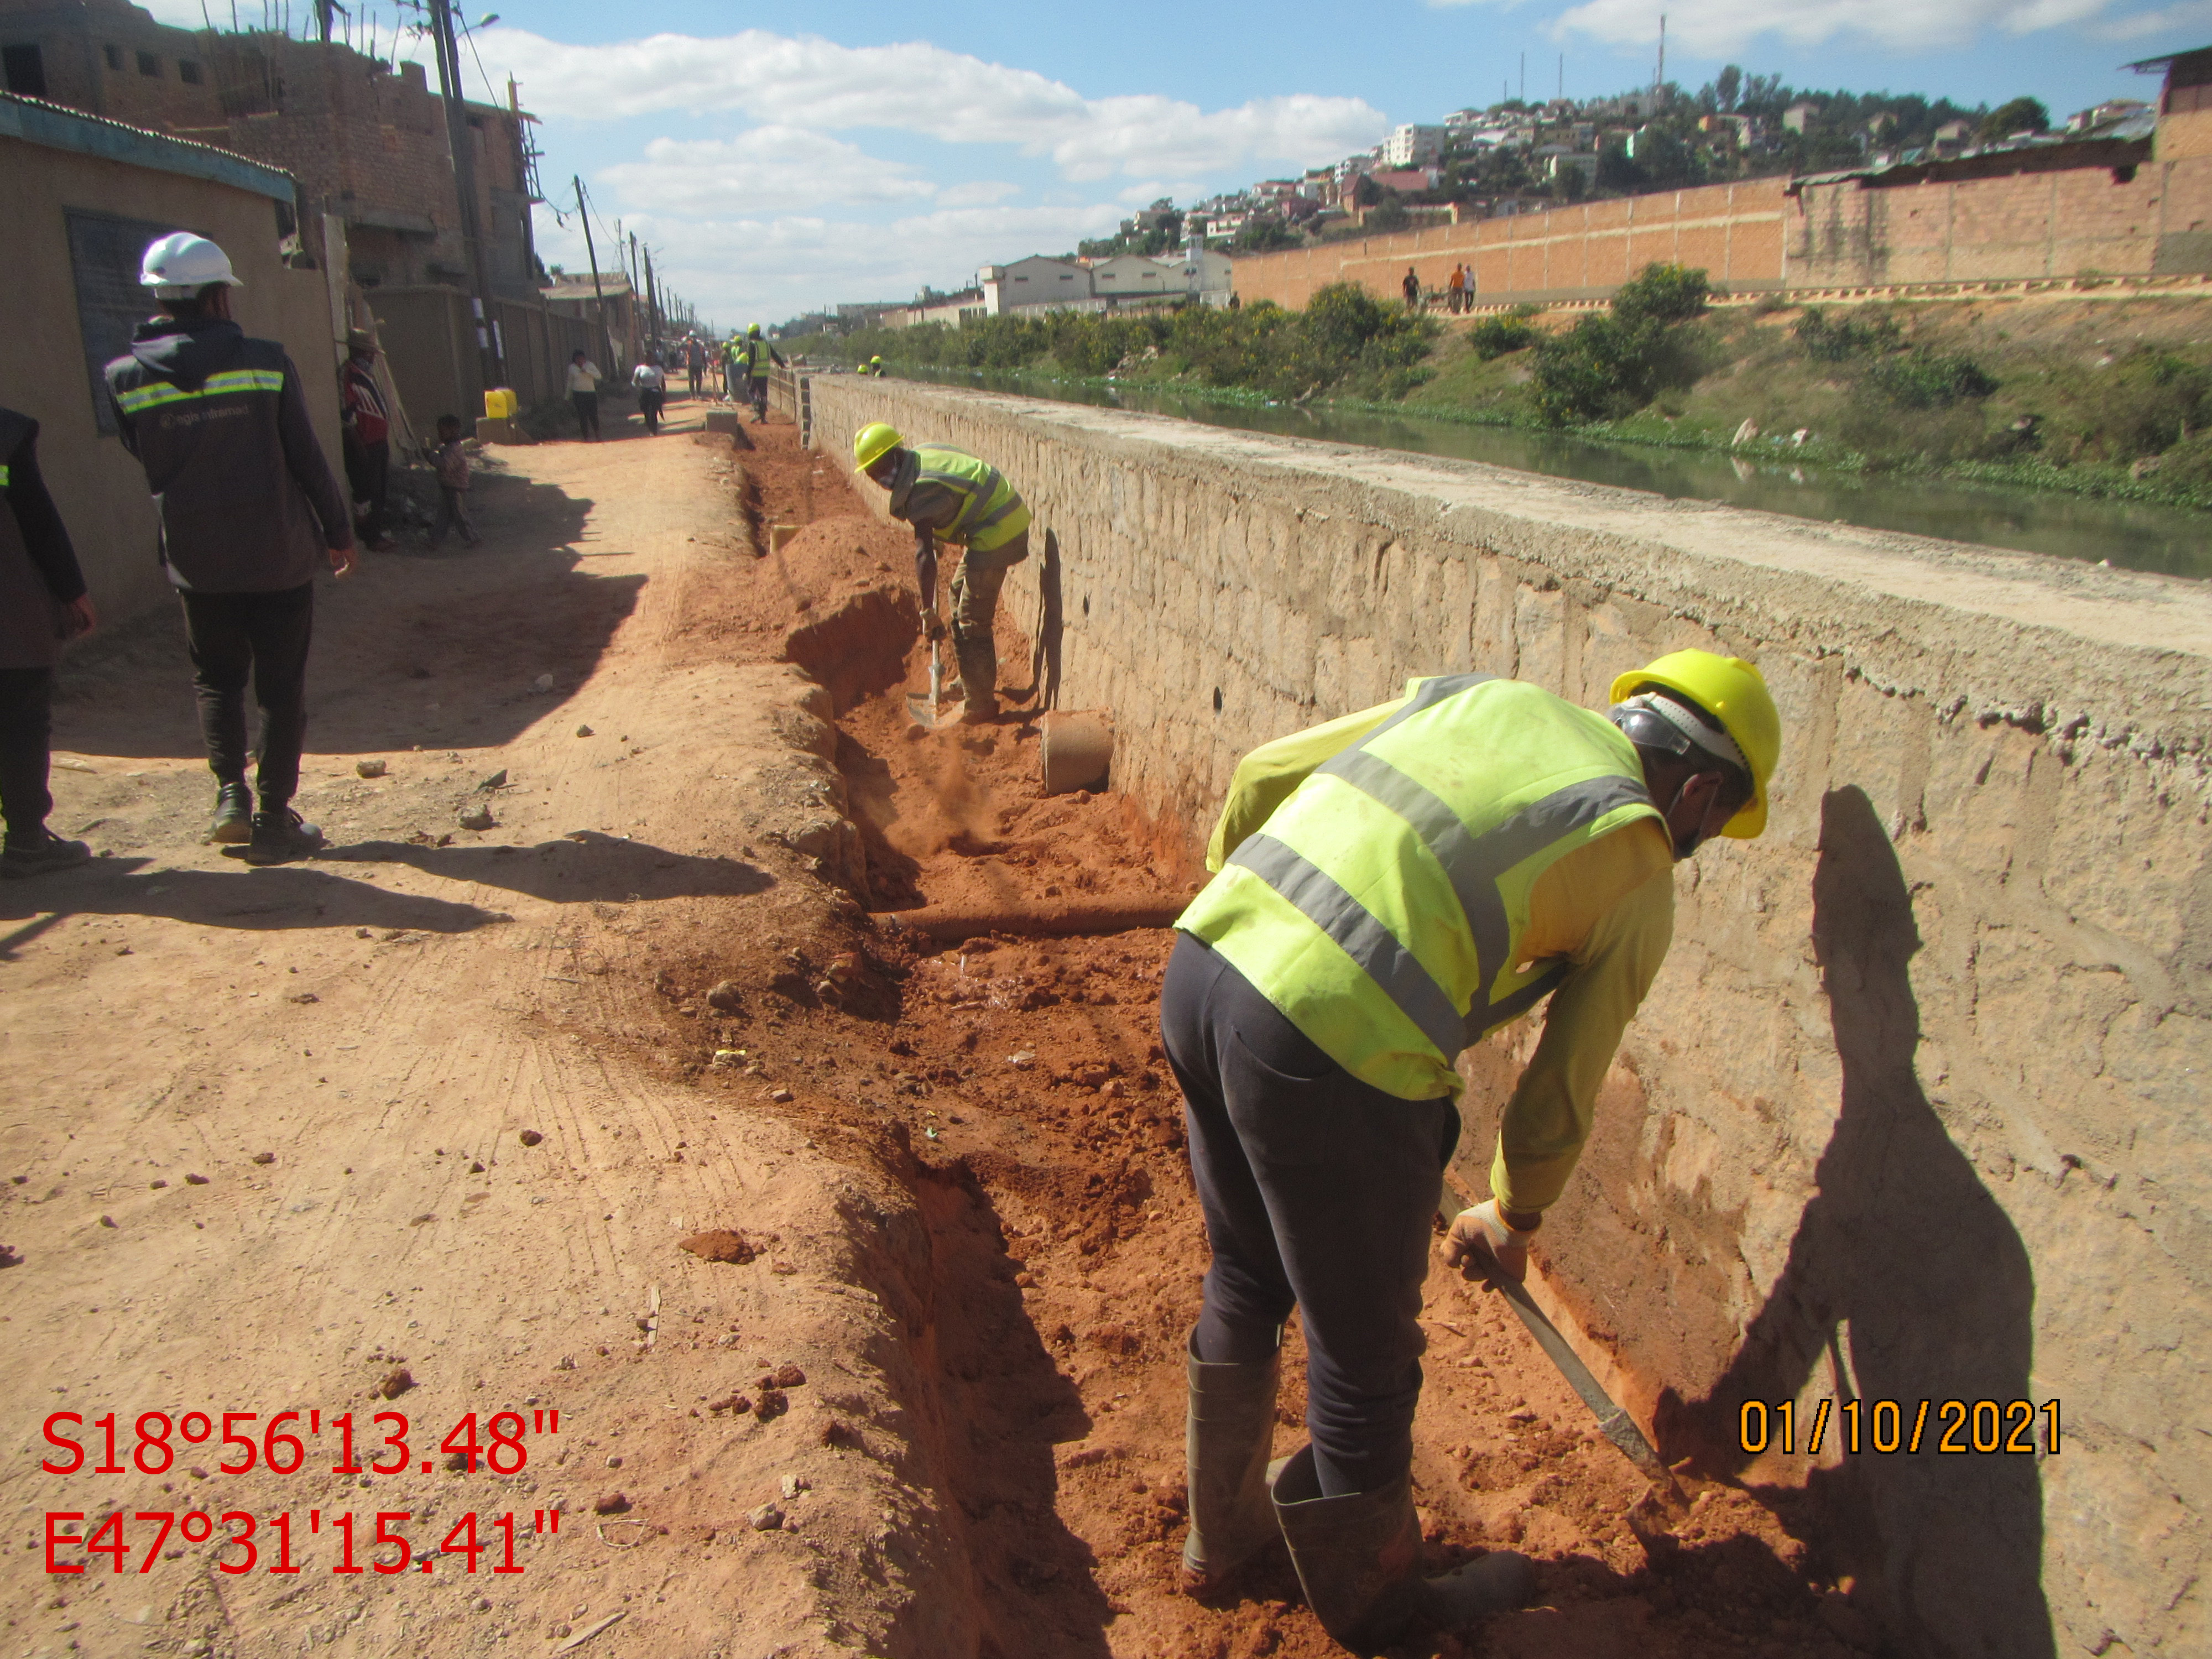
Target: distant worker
(365, 430)
(695, 361)
(737, 381)
(43, 604)
(584, 396)
(874, 366)
(1457, 302)
(1391, 886)
(651, 394)
(1412, 287)
(246, 500)
(758, 354)
(946, 494)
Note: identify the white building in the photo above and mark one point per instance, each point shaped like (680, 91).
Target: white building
(1049, 284)
(1136, 275)
(1413, 147)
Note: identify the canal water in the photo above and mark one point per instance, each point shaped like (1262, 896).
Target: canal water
(2134, 535)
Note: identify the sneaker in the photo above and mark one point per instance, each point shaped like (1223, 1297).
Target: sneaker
(233, 815)
(41, 857)
(281, 835)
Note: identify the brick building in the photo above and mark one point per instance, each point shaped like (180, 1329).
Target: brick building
(367, 144)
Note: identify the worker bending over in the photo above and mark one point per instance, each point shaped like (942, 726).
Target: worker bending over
(948, 495)
(1391, 886)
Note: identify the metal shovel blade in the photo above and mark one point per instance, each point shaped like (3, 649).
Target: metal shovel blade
(924, 708)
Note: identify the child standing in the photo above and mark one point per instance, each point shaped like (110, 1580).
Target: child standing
(452, 463)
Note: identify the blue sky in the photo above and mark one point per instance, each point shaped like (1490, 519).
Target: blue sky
(779, 157)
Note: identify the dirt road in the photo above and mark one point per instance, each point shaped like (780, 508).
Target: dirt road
(422, 1127)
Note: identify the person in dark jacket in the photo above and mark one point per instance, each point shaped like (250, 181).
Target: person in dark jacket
(246, 502)
(368, 434)
(42, 603)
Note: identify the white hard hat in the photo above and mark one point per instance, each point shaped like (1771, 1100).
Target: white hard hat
(181, 265)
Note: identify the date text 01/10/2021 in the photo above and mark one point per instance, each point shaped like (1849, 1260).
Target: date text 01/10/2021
(1961, 1426)
(123, 1534)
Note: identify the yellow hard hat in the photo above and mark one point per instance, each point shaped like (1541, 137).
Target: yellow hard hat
(873, 442)
(1734, 692)
(752, 328)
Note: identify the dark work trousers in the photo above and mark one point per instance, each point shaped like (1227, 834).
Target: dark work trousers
(368, 470)
(27, 702)
(230, 636)
(695, 372)
(587, 414)
(1318, 1191)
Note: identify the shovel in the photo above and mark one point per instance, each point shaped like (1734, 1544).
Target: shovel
(923, 708)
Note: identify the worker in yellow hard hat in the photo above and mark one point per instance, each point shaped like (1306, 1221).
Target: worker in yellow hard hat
(946, 494)
(1391, 886)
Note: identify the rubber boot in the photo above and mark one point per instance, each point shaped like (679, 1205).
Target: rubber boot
(1358, 1559)
(1228, 1430)
(978, 655)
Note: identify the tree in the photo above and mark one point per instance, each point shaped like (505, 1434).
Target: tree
(2021, 115)
(1388, 214)
(1265, 235)
(1727, 85)
(1367, 192)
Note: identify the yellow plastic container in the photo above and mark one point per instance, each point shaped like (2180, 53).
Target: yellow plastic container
(499, 404)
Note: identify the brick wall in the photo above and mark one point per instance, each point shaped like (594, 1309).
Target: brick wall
(2152, 219)
(1732, 231)
(2119, 221)
(1915, 1109)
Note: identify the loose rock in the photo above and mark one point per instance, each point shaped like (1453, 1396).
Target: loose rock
(369, 769)
(769, 1518)
(477, 817)
(542, 684)
(719, 1244)
(530, 1137)
(396, 1384)
(727, 995)
(613, 1502)
(584, 732)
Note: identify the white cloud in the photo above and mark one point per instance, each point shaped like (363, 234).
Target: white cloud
(738, 269)
(982, 192)
(767, 170)
(1717, 27)
(914, 86)
(2195, 15)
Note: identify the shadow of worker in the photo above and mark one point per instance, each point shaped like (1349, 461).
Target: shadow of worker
(1911, 1279)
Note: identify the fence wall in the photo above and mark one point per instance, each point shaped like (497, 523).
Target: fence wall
(1916, 1108)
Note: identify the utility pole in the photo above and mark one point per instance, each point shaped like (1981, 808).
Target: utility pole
(322, 9)
(652, 298)
(491, 357)
(591, 252)
(1659, 78)
(1525, 78)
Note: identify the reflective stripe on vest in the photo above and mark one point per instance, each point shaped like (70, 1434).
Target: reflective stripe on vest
(155, 393)
(1422, 890)
(987, 501)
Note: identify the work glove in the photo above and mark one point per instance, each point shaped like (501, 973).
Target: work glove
(933, 626)
(1481, 1245)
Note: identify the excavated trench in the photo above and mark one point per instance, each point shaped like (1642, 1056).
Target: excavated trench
(1048, 1269)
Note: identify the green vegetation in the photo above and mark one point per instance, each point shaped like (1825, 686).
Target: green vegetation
(2110, 397)
(1345, 340)
(1611, 365)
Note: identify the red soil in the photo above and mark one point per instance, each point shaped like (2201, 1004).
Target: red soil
(1026, 1077)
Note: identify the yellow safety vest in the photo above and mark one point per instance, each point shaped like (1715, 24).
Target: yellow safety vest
(991, 514)
(1382, 907)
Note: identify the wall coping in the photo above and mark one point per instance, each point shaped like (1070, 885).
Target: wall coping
(55, 127)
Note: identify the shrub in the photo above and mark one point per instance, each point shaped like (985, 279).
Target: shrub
(1921, 379)
(1662, 294)
(1839, 342)
(1494, 337)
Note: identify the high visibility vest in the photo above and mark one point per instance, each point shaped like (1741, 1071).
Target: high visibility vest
(991, 513)
(1382, 907)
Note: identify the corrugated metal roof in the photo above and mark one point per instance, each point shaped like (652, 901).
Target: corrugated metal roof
(57, 127)
(2132, 129)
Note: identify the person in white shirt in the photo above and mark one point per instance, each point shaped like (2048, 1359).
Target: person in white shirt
(584, 393)
(651, 394)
